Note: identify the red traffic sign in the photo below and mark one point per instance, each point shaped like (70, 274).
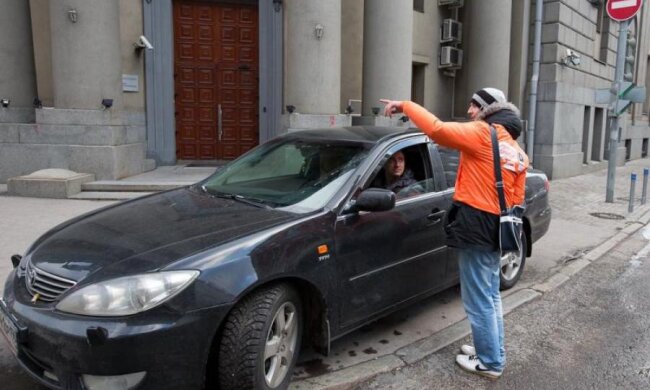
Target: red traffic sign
(622, 10)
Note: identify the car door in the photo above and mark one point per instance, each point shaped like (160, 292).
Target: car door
(449, 160)
(387, 258)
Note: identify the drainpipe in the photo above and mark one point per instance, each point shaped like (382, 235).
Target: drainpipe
(532, 111)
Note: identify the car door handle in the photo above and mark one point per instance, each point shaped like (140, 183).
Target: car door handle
(436, 215)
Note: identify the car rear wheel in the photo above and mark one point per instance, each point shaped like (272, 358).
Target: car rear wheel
(261, 340)
(512, 265)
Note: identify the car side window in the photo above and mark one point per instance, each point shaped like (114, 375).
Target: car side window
(407, 172)
(450, 159)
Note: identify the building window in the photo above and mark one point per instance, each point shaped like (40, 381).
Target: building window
(644, 148)
(418, 5)
(601, 40)
(599, 143)
(646, 105)
(586, 130)
(417, 83)
(628, 149)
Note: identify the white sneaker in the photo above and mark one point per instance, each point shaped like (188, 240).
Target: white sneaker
(468, 350)
(473, 364)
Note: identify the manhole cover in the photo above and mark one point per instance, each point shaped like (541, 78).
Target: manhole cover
(607, 215)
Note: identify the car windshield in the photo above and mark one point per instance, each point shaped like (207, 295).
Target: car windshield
(296, 175)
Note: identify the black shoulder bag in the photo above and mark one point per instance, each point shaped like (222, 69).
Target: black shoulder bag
(511, 225)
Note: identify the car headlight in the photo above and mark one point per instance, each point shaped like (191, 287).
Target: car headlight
(128, 295)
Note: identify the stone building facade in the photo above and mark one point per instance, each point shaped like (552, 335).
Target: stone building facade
(213, 78)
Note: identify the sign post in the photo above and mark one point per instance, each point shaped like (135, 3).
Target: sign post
(621, 11)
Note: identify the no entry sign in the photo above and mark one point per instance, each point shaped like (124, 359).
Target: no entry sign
(621, 10)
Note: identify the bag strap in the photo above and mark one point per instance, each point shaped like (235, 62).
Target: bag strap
(497, 170)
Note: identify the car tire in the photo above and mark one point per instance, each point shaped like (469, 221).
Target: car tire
(512, 266)
(260, 341)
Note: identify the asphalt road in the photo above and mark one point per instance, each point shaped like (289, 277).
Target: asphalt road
(590, 333)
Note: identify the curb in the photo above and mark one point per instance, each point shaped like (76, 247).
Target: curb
(348, 377)
(570, 269)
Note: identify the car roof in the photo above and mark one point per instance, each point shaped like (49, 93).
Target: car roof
(363, 134)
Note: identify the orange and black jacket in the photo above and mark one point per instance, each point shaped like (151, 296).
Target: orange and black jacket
(473, 220)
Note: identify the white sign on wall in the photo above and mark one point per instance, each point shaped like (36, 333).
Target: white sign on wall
(130, 83)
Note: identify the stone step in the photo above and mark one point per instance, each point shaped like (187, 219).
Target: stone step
(112, 195)
(49, 183)
(131, 186)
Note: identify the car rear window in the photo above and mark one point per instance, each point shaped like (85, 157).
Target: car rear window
(450, 159)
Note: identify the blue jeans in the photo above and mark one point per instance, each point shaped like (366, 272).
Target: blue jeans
(479, 284)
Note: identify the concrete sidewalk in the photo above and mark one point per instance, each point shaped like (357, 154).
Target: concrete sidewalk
(583, 228)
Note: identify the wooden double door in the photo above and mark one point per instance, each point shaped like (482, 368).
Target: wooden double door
(216, 72)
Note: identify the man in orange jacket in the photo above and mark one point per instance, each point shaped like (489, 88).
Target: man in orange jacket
(472, 223)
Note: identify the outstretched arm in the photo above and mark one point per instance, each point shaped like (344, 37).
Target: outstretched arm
(462, 136)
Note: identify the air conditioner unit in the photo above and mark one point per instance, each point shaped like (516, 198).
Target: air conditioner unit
(451, 3)
(452, 31)
(450, 57)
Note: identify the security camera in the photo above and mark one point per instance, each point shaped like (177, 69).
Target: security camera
(575, 59)
(571, 58)
(143, 43)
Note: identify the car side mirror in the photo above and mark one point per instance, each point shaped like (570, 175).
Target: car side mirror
(374, 199)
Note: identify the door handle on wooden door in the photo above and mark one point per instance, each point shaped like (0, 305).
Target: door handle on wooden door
(219, 125)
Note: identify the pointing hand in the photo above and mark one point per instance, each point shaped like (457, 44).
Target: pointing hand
(392, 107)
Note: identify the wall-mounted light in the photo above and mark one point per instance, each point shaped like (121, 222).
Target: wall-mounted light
(277, 5)
(571, 57)
(349, 110)
(291, 108)
(72, 15)
(319, 30)
(107, 103)
(375, 111)
(404, 119)
(5, 102)
(37, 103)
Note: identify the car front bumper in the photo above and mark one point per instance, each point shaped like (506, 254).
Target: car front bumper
(55, 348)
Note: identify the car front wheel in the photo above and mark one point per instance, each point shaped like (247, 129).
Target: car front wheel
(261, 340)
(512, 265)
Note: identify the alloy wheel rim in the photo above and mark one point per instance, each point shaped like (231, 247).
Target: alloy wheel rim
(280, 346)
(510, 265)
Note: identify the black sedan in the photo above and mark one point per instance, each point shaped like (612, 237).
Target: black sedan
(218, 284)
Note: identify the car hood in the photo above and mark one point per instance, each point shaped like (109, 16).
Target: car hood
(148, 233)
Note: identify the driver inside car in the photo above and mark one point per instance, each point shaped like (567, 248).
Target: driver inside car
(398, 178)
